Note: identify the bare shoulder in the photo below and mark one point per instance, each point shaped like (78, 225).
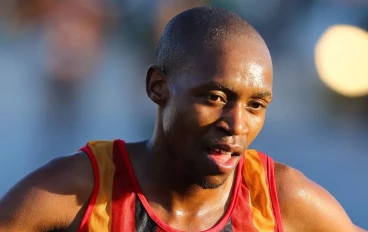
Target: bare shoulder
(306, 206)
(51, 197)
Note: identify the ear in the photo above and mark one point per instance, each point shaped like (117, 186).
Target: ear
(157, 85)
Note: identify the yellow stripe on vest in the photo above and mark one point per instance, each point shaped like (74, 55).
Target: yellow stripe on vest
(260, 201)
(101, 214)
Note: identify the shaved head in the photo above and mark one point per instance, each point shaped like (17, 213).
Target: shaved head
(196, 31)
(212, 82)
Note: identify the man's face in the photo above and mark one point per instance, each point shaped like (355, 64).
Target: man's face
(217, 108)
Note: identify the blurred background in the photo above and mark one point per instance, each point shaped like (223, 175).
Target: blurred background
(74, 70)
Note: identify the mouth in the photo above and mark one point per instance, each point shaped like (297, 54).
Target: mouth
(225, 149)
(224, 156)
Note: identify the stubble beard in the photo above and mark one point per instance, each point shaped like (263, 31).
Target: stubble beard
(206, 185)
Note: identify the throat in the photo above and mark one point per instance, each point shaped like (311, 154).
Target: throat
(189, 214)
(195, 209)
(188, 222)
(180, 194)
(176, 200)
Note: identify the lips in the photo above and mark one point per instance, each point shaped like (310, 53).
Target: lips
(224, 156)
(219, 151)
(220, 155)
(226, 149)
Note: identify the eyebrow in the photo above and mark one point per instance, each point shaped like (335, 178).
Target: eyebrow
(264, 94)
(216, 85)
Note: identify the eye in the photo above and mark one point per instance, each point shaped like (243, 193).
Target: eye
(256, 105)
(215, 98)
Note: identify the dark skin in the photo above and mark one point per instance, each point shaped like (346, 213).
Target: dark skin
(223, 97)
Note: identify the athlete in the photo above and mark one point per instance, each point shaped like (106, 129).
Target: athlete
(212, 83)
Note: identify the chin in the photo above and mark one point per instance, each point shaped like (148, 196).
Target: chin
(209, 174)
(212, 183)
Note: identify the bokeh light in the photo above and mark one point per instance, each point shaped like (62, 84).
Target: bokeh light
(341, 56)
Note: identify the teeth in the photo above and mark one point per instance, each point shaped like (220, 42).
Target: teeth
(219, 151)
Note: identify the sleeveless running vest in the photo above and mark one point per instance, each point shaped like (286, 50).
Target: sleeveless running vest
(118, 205)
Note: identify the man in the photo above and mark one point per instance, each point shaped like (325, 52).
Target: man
(212, 83)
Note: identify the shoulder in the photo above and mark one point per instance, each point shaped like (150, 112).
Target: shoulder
(306, 206)
(73, 172)
(50, 197)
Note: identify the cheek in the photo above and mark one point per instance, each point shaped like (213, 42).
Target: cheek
(188, 117)
(255, 126)
(170, 117)
(205, 115)
(178, 116)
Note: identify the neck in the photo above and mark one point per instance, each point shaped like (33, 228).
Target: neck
(168, 184)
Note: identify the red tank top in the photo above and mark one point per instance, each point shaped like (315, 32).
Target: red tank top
(118, 205)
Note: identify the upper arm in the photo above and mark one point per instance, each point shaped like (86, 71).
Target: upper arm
(306, 206)
(48, 198)
(358, 229)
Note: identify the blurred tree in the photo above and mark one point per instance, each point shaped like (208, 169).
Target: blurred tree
(167, 9)
(73, 31)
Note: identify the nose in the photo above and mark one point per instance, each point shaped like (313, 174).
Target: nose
(234, 120)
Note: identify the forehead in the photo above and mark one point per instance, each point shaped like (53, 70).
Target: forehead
(239, 64)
